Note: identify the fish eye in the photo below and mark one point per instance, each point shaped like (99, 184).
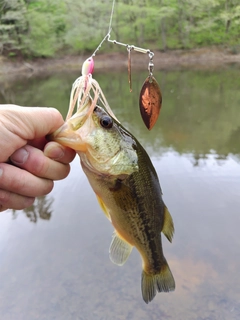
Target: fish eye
(106, 122)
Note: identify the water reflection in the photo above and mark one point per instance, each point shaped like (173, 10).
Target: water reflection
(198, 114)
(41, 209)
(61, 269)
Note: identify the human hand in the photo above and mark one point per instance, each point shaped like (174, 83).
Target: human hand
(28, 162)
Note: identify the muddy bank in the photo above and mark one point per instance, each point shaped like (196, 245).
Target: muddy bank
(204, 58)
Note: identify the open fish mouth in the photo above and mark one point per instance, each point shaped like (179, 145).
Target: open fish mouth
(68, 134)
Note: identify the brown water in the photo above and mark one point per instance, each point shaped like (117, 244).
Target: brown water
(54, 256)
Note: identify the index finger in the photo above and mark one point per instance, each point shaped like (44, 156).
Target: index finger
(20, 124)
(31, 122)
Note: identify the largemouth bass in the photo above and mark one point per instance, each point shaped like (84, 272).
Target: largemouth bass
(126, 184)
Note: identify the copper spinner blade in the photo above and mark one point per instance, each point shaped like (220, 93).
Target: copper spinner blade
(150, 101)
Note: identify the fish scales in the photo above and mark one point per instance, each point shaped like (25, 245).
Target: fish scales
(149, 223)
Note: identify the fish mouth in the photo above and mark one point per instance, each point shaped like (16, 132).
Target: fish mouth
(68, 134)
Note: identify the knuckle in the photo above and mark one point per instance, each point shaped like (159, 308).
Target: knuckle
(67, 170)
(18, 182)
(63, 173)
(41, 167)
(69, 155)
(43, 187)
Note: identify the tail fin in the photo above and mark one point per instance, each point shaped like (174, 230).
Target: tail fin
(160, 282)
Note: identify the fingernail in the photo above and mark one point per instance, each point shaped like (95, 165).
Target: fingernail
(54, 153)
(20, 156)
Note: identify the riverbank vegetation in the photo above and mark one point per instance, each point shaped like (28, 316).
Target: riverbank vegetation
(50, 28)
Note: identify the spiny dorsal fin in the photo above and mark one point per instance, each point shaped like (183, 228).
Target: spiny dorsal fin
(119, 250)
(160, 282)
(168, 226)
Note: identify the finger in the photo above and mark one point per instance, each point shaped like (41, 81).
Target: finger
(55, 151)
(9, 200)
(2, 208)
(34, 161)
(32, 122)
(38, 143)
(21, 124)
(22, 182)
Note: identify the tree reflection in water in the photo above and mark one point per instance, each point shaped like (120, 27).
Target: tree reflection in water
(41, 209)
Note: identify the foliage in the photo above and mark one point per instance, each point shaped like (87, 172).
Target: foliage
(47, 27)
(13, 25)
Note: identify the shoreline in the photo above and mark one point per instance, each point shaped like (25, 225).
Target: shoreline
(197, 59)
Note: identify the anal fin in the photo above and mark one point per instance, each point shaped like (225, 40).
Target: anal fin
(168, 226)
(119, 250)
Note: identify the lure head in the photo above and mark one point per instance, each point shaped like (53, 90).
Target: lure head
(88, 67)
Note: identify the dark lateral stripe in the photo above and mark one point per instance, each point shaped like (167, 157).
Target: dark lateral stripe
(148, 231)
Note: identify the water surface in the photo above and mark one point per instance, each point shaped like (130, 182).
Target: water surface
(54, 256)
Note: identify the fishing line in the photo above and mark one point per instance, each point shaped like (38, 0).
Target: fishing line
(109, 30)
(111, 17)
(100, 44)
(108, 35)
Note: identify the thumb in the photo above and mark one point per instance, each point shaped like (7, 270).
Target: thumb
(20, 124)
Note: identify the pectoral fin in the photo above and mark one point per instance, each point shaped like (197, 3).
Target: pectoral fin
(168, 227)
(119, 250)
(103, 207)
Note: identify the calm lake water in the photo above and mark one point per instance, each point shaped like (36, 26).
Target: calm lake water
(54, 260)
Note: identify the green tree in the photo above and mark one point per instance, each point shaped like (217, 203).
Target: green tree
(13, 25)
(46, 27)
(87, 24)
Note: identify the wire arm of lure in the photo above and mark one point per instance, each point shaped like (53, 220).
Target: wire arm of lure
(138, 49)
